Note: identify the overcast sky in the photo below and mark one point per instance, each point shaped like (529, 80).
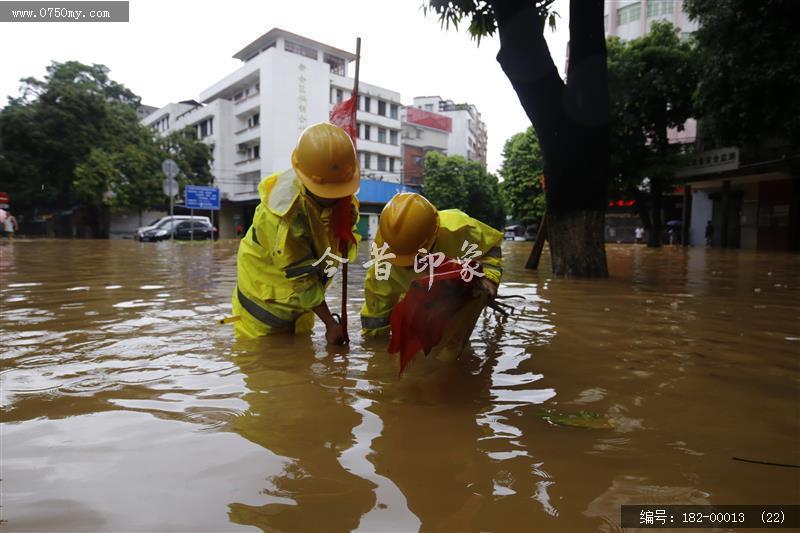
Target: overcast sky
(173, 49)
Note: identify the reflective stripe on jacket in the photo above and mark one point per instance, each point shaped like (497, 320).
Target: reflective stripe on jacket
(455, 227)
(275, 262)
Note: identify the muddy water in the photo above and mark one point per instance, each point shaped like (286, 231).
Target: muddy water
(125, 408)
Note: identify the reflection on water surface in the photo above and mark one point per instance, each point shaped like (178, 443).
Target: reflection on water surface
(126, 408)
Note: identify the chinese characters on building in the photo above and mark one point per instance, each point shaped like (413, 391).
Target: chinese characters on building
(302, 99)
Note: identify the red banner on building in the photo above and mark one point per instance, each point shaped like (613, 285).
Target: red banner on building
(415, 115)
(343, 115)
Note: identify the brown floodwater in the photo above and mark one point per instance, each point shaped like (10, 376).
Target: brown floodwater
(126, 408)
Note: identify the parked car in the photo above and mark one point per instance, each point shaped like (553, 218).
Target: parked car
(183, 230)
(163, 223)
(512, 232)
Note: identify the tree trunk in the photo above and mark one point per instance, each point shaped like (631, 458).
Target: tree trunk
(577, 244)
(571, 121)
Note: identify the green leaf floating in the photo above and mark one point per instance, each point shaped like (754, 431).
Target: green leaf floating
(581, 419)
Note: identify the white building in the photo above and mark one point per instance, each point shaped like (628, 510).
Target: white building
(423, 132)
(468, 136)
(252, 117)
(629, 19)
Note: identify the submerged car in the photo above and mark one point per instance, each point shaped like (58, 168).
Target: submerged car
(163, 223)
(183, 230)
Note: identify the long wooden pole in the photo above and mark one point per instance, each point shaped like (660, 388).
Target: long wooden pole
(347, 245)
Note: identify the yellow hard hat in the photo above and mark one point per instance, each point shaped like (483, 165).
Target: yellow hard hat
(408, 222)
(326, 162)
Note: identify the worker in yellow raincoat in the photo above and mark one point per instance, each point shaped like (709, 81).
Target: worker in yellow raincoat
(410, 223)
(283, 258)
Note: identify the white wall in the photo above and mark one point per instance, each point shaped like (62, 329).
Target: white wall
(124, 224)
(702, 208)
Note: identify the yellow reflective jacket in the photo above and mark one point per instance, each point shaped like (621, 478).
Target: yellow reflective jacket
(455, 228)
(277, 281)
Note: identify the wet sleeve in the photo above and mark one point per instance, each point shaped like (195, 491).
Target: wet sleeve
(380, 297)
(296, 260)
(489, 241)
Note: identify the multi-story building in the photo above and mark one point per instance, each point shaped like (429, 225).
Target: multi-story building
(468, 135)
(252, 118)
(629, 19)
(423, 132)
(750, 202)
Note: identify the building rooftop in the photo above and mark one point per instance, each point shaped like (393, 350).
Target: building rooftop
(272, 35)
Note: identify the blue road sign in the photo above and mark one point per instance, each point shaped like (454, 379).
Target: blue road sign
(199, 197)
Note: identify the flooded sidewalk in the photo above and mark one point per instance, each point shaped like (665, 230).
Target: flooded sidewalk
(127, 408)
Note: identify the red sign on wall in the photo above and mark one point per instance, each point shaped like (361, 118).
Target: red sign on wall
(426, 118)
(3, 200)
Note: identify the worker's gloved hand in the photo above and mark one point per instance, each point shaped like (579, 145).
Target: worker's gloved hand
(490, 287)
(334, 333)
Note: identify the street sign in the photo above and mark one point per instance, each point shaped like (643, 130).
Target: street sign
(199, 197)
(4, 200)
(170, 187)
(170, 168)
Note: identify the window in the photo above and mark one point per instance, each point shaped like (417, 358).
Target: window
(393, 111)
(299, 49)
(366, 160)
(381, 135)
(255, 120)
(382, 108)
(392, 137)
(382, 162)
(337, 64)
(254, 152)
(339, 95)
(391, 164)
(366, 132)
(428, 107)
(656, 8)
(629, 13)
(367, 104)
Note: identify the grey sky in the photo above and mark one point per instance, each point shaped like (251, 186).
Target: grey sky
(171, 50)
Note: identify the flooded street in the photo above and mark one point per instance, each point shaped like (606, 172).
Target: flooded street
(127, 408)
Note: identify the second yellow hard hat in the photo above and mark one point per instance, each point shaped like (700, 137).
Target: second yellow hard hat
(408, 223)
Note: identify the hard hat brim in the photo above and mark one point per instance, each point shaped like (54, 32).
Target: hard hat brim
(329, 190)
(402, 260)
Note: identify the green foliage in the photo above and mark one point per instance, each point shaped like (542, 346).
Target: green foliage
(74, 137)
(455, 183)
(581, 419)
(651, 84)
(192, 156)
(522, 190)
(481, 15)
(749, 70)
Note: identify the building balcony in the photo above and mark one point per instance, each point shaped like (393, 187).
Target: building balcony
(247, 104)
(244, 166)
(248, 134)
